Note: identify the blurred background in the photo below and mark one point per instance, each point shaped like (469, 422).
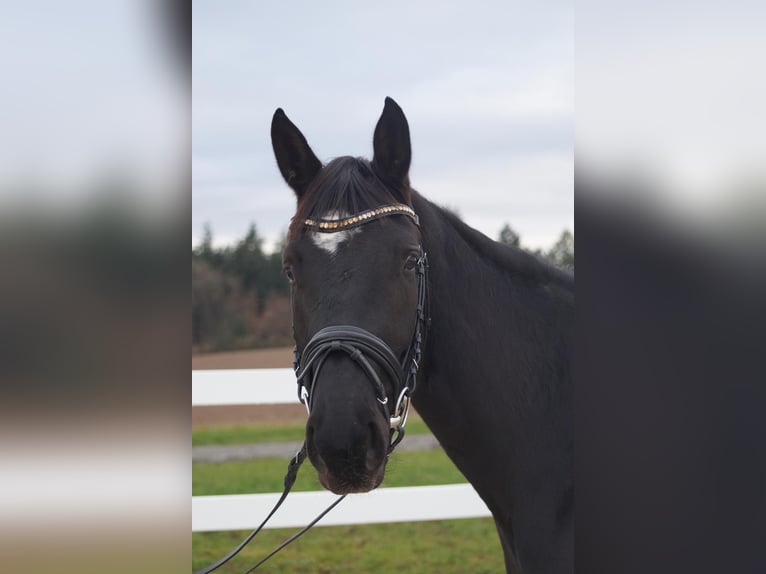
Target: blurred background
(488, 94)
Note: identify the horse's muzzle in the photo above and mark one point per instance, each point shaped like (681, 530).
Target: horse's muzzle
(348, 457)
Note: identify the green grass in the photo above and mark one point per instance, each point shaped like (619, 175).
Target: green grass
(444, 546)
(246, 435)
(266, 474)
(440, 546)
(258, 434)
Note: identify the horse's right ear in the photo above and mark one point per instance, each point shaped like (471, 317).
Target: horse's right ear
(391, 147)
(296, 161)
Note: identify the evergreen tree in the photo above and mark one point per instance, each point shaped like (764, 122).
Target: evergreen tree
(562, 252)
(247, 260)
(205, 248)
(509, 236)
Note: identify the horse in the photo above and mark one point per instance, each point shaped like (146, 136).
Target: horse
(395, 298)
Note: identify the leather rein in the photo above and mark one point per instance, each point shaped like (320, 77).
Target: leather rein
(366, 350)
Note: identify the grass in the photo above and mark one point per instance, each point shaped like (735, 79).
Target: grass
(246, 434)
(266, 474)
(443, 546)
(280, 433)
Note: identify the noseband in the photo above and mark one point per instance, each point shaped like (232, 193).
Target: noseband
(364, 348)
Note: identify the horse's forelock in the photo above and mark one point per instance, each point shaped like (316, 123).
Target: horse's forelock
(345, 185)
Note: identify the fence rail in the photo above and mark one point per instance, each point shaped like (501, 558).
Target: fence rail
(243, 387)
(245, 511)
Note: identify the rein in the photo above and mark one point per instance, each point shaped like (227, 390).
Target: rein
(365, 349)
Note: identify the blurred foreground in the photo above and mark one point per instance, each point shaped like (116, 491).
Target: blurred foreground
(94, 327)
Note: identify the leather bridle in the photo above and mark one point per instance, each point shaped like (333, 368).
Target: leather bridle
(367, 350)
(364, 347)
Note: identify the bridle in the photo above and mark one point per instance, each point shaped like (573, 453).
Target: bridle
(367, 350)
(364, 347)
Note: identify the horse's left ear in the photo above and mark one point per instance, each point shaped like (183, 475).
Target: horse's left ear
(391, 145)
(296, 161)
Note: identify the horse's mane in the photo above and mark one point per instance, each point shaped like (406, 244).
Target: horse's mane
(346, 184)
(349, 185)
(509, 258)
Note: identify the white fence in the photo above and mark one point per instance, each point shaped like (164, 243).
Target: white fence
(245, 511)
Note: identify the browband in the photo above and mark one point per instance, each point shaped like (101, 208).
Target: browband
(333, 225)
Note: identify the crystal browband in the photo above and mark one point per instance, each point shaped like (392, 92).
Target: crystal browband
(330, 225)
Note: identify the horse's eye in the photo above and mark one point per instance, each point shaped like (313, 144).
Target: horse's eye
(288, 269)
(411, 262)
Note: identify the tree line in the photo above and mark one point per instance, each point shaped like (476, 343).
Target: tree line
(561, 253)
(240, 298)
(239, 295)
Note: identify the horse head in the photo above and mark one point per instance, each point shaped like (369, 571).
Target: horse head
(355, 265)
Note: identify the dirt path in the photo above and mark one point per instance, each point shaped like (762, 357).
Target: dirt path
(251, 359)
(250, 415)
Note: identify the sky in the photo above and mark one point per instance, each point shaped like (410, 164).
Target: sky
(487, 89)
(90, 92)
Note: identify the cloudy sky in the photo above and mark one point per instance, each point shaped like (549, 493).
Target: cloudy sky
(90, 91)
(487, 88)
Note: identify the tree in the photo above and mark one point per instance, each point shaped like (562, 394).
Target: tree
(246, 261)
(273, 277)
(239, 294)
(220, 311)
(205, 248)
(562, 252)
(509, 236)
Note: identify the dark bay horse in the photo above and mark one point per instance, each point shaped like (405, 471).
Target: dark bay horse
(380, 274)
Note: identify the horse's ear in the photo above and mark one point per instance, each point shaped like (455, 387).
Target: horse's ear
(391, 145)
(298, 164)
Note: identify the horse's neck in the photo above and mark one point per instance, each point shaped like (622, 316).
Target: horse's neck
(499, 338)
(487, 295)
